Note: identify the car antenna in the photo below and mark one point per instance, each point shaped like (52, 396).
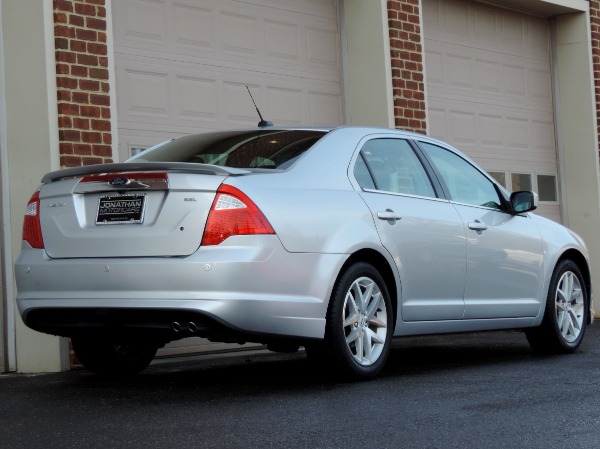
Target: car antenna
(262, 122)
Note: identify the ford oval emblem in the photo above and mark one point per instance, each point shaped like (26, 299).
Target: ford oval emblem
(119, 182)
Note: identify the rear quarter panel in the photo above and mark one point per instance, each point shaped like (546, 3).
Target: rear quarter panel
(313, 206)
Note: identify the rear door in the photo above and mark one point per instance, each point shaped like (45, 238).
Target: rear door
(423, 233)
(504, 251)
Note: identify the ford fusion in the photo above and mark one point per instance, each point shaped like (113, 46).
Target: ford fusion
(332, 239)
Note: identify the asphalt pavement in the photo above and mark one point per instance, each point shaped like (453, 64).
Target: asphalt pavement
(485, 390)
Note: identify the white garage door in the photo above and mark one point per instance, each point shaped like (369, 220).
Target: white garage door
(182, 66)
(489, 91)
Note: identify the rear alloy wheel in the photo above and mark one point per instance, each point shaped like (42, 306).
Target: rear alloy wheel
(359, 323)
(108, 359)
(566, 312)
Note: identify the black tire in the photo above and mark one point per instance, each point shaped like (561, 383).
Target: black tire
(110, 359)
(357, 342)
(565, 318)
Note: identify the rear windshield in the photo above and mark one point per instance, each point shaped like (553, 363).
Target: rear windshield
(270, 149)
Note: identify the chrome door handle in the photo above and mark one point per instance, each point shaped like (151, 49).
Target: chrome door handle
(477, 226)
(388, 215)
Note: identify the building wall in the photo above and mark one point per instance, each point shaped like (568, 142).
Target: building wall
(32, 146)
(408, 80)
(82, 78)
(60, 101)
(595, 36)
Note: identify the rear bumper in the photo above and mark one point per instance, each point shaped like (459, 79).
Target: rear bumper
(248, 288)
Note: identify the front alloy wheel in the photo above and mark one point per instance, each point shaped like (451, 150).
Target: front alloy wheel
(565, 316)
(570, 307)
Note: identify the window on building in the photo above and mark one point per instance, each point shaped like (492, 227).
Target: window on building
(547, 189)
(521, 181)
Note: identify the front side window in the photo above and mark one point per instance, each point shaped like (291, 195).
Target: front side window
(391, 165)
(464, 182)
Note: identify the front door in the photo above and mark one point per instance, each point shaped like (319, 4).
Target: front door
(504, 251)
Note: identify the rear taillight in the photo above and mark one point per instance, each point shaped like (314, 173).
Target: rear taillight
(233, 213)
(32, 230)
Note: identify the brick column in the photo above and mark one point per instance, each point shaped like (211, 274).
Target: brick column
(595, 27)
(407, 65)
(82, 81)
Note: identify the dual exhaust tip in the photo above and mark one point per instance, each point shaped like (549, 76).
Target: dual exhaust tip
(185, 327)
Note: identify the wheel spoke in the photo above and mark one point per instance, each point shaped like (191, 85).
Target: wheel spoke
(375, 337)
(561, 317)
(374, 305)
(565, 325)
(358, 295)
(368, 348)
(351, 316)
(352, 336)
(575, 322)
(358, 343)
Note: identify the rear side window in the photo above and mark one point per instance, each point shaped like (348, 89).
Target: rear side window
(393, 167)
(269, 149)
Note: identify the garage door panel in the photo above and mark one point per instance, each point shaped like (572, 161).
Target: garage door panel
(482, 75)
(473, 24)
(282, 40)
(231, 33)
(145, 93)
(512, 132)
(316, 8)
(239, 34)
(194, 27)
(142, 20)
(325, 109)
(286, 105)
(195, 98)
(184, 97)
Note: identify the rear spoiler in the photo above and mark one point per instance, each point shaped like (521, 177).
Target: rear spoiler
(127, 167)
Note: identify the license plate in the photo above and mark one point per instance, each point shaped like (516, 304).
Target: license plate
(121, 209)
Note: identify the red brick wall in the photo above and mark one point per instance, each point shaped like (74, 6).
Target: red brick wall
(595, 26)
(82, 80)
(407, 65)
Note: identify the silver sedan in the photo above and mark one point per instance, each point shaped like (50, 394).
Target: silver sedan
(332, 239)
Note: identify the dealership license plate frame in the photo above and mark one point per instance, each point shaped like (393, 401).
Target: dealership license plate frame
(121, 214)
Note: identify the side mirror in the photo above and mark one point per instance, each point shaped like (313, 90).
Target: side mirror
(522, 202)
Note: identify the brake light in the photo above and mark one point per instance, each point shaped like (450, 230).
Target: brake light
(32, 230)
(233, 213)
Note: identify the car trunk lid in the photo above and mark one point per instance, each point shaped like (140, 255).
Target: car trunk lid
(128, 210)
